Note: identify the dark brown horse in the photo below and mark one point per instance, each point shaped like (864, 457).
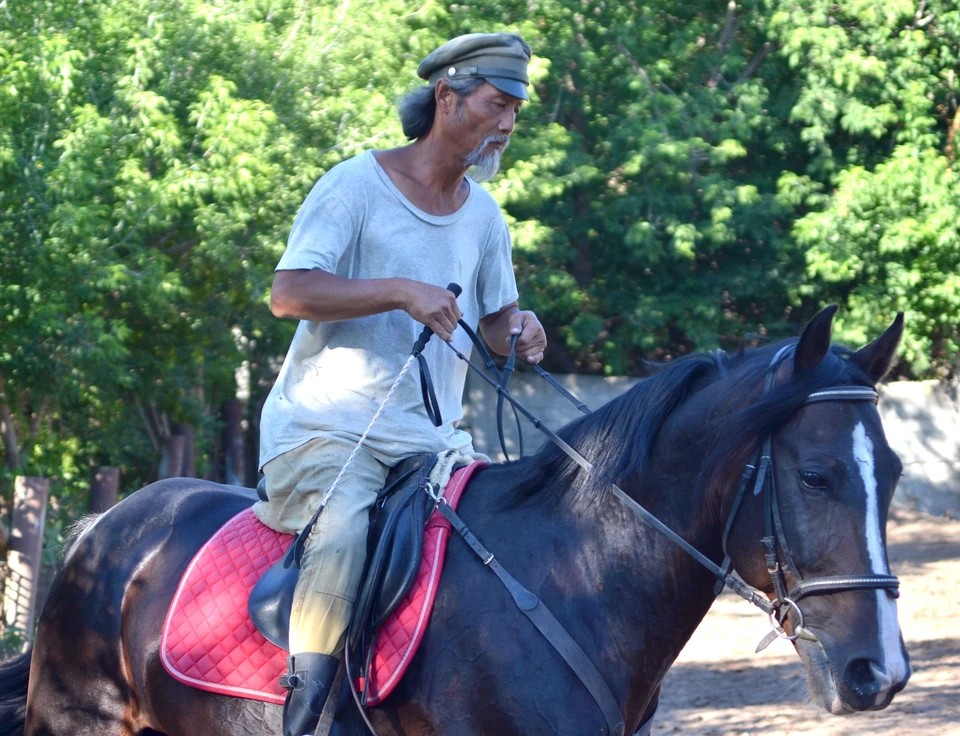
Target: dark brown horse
(677, 443)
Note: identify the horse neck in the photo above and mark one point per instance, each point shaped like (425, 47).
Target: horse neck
(619, 581)
(671, 591)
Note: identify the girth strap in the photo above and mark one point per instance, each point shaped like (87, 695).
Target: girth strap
(547, 624)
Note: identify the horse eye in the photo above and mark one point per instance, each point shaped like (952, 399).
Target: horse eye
(812, 480)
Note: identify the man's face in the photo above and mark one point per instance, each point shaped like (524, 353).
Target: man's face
(486, 119)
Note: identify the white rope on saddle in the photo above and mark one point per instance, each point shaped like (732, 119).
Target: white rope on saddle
(363, 437)
(447, 461)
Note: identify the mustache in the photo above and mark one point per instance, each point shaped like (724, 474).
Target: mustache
(493, 139)
(478, 153)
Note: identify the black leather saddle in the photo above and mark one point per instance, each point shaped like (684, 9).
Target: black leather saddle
(394, 548)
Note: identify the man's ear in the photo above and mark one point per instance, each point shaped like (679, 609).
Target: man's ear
(445, 97)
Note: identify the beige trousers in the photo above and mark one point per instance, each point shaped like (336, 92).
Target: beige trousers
(336, 550)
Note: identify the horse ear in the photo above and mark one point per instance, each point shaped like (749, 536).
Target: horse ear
(877, 358)
(815, 341)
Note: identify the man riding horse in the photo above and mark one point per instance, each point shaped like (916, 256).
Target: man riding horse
(369, 249)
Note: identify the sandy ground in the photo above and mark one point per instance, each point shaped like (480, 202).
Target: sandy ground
(719, 687)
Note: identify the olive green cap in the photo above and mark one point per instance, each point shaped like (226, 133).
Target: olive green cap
(499, 58)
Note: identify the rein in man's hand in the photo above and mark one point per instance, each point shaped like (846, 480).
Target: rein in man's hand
(434, 307)
(533, 339)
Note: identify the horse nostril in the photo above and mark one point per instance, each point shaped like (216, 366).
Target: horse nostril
(866, 677)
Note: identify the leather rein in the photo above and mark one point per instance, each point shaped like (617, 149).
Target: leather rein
(758, 475)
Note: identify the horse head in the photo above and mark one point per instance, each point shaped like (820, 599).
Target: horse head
(824, 512)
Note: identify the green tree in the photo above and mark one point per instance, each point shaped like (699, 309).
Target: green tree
(644, 182)
(153, 156)
(685, 175)
(878, 111)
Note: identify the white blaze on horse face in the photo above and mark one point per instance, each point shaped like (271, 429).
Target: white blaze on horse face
(894, 664)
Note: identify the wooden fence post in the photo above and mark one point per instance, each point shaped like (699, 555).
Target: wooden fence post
(23, 559)
(104, 488)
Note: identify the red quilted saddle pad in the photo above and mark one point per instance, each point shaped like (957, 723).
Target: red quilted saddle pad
(209, 641)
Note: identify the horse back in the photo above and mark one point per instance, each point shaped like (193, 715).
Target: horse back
(177, 515)
(99, 630)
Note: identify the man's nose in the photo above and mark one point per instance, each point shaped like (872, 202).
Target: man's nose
(508, 122)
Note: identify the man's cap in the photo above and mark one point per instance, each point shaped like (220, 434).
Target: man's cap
(499, 58)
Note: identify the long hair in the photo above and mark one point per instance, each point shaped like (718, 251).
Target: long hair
(418, 108)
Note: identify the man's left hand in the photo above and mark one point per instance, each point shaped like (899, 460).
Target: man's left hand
(533, 340)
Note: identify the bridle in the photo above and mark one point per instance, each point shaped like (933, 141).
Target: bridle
(759, 475)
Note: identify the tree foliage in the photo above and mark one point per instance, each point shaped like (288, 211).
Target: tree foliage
(685, 175)
(878, 108)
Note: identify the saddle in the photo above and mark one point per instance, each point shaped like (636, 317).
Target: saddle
(395, 546)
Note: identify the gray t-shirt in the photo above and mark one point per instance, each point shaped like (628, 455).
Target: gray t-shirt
(356, 223)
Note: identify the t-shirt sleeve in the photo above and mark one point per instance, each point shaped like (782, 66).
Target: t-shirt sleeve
(497, 285)
(322, 232)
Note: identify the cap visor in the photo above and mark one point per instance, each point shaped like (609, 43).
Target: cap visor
(511, 86)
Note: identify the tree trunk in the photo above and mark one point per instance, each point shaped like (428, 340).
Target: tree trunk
(189, 466)
(252, 445)
(104, 488)
(951, 149)
(233, 442)
(171, 459)
(8, 430)
(23, 558)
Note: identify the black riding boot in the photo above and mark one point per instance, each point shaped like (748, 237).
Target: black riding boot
(308, 681)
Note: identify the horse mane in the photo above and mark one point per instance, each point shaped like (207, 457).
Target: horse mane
(619, 438)
(74, 532)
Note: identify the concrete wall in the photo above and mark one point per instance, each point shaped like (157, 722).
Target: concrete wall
(922, 423)
(921, 420)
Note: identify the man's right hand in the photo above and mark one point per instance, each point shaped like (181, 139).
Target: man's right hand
(324, 297)
(434, 307)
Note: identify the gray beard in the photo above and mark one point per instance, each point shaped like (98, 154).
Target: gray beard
(484, 159)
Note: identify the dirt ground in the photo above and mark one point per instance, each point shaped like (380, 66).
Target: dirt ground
(719, 687)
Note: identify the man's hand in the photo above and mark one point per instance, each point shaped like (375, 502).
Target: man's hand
(434, 307)
(499, 327)
(532, 341)
(325, 297)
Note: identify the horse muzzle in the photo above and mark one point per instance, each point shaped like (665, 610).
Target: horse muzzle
(867, 685)
(862, 684)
